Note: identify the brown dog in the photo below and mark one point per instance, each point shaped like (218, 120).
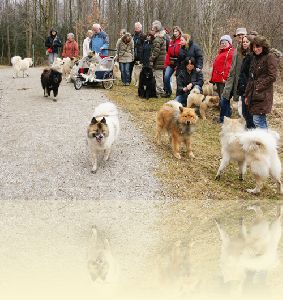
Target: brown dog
(179, 122)
(203, 102)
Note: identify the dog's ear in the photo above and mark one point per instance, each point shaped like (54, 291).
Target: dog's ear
(181, 108)
(103, 120)
(93, 121)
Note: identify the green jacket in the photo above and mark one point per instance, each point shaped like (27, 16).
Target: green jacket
(231, 84)
(158, 51)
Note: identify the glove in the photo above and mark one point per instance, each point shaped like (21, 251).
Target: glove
(198, 69)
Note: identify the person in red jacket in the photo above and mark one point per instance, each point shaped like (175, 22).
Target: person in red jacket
(71, 48)
(222, 63)
(171, 59)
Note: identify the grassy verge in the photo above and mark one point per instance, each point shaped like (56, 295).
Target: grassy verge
(191, 178)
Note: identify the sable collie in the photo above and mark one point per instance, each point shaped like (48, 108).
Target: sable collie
(102, 132)
(179, 122)
(256, 148)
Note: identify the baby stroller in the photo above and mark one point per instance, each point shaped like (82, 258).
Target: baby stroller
(94, 70)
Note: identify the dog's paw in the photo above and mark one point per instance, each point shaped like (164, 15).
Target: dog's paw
(191, 155)
(253, 191)
(177, 155)
(241, 177)
(93, 171)
(217, 177)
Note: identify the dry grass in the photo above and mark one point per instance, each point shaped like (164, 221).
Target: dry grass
(192, 178)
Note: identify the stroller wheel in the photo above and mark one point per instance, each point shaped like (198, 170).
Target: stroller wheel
(109, 83)
(78, 84)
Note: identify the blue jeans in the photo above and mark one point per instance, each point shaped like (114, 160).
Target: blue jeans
(51, 57)
(125, 72)
(225, 109)
(260, 121)
(167, 79)
(248, 117)
(182, 99)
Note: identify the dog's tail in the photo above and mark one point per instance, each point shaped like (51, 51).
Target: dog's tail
(259, 140)
(106, 109)
(174, 103)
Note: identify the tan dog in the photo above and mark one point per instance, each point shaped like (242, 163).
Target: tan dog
(203, 102)
(179, 122)
(136, 73)
(116, 72)
(207, 88)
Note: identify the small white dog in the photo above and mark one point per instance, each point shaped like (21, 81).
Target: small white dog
(21, 65)
(256, 148)
(68, 64)
(103, 131)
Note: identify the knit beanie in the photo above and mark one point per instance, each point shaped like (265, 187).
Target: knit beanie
(227, 38)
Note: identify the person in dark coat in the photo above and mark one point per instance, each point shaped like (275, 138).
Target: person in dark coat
(147, 48)
(138, 38)
(52, 44)
(187, 80)
(243, 79)
(262, 75)
(189, 49)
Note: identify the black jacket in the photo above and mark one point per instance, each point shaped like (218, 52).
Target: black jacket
(244, 74)
(138, 38)
(147, 46)
(184, 78)
(193, 51)
(54, 43)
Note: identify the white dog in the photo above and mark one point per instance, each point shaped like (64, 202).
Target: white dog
(136, 72)
(21, 65)
(256, 148)
(68, 64)
(103, 131)
(252, 253)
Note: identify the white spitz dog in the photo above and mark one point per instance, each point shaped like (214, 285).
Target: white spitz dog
(256, 148)
(102, 131)
(21, 65)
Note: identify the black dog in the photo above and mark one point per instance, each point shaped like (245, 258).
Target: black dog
(147, 84)
(50, 81)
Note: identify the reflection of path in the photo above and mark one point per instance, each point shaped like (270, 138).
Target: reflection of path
(44, 244)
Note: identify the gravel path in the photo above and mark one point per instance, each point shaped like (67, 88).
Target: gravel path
(50, 199)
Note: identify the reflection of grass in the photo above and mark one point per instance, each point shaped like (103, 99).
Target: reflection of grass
(189, 179)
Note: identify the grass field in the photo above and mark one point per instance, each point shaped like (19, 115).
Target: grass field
(193, 179)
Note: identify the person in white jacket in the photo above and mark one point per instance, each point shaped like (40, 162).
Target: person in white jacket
(86, 43)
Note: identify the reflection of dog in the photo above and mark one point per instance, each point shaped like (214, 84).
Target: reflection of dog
(101, 264)
(246, 258)
(147, 83)
(257, 148)
(179, 122)
(136, 73)
(203, 102)
(51, 79)
(103, 131)
(21, 65)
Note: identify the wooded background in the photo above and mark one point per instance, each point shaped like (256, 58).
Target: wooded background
(24, 24)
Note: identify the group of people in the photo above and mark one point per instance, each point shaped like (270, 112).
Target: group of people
(247, 71)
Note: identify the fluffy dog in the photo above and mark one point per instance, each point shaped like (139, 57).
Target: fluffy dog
(21, 65)
(147, 83)
(51, 79)
(252, 252)
(68, 64)
(179, 122)
(102, 131)
(256, 148)
(203, 102)
(207, 88)
(116, 72)
(136, 72)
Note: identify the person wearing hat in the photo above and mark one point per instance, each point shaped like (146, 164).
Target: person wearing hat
(222, 63)
(86, 43)
(262, 75)
(157, 57)
(230, 89)
(52, 43)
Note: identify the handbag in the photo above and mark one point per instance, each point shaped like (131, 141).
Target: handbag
(49, 50)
